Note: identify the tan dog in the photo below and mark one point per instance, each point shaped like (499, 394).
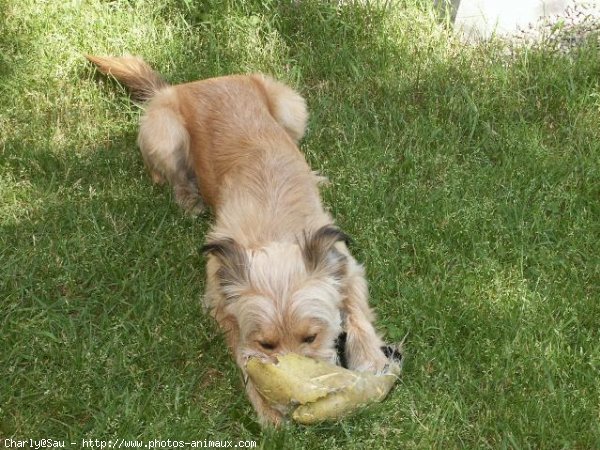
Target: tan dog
(279, 275)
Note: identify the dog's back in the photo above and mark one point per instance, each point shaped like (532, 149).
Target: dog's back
(199, 134)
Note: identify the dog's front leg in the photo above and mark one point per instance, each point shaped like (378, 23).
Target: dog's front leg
(266, 414)
(363, 345)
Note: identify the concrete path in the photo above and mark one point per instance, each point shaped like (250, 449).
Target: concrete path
(477, 19)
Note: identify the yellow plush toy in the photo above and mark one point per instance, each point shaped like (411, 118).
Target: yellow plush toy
(315, 391)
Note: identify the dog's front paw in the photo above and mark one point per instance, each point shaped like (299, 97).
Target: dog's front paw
(360, 355)
(394, 354)
(374, 363)
(267, 416)
(270, 417)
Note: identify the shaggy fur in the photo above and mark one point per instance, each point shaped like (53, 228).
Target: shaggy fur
(279, 275)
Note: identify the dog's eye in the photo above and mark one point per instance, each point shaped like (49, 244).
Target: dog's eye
(267, 345)
(309, 339)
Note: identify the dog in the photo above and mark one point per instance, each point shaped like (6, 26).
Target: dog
(280, 277)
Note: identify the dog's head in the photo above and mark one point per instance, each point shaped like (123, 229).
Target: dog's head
(285, 297)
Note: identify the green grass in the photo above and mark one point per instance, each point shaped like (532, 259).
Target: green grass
(469, 180)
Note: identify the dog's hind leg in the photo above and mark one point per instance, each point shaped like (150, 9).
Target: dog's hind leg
(286, 106)
(164, 143)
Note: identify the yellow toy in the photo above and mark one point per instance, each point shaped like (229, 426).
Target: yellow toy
(316, 391)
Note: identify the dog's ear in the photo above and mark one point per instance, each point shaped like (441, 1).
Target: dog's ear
(233, 272)
(320, 254)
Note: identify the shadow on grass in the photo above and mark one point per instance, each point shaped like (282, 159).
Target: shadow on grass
(308, 41)
(101, 269)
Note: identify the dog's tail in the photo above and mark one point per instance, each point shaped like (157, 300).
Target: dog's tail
(141, 80)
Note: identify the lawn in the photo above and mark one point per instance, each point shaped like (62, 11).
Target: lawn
(468, 178)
